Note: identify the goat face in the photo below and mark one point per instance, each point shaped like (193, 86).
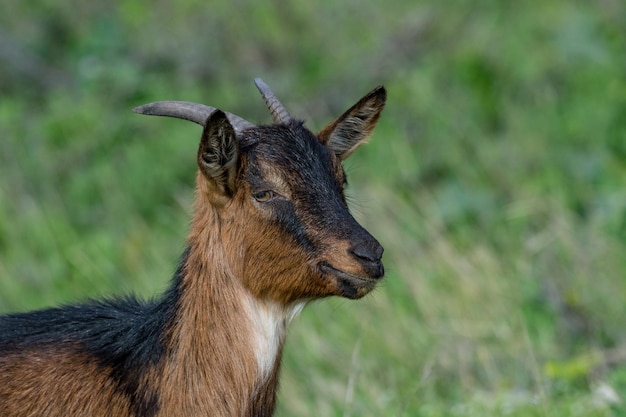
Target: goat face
(278, 193)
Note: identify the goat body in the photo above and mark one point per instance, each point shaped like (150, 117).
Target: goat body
(271, 231)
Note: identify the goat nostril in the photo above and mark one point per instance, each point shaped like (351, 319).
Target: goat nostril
(370, 253)
(379, 252)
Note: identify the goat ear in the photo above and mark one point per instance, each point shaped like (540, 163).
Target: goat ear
(218, 152)
(353, 128)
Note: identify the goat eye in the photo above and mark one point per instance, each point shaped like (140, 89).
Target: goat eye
(263, 196)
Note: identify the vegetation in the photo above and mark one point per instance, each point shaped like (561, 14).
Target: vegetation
(496, 180)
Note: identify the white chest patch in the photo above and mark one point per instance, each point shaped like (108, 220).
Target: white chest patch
(269, 328)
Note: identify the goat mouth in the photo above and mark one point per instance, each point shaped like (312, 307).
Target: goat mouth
(352, 286)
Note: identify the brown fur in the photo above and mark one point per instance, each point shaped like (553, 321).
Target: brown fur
(32, 380)
(212, 358)
(212, 363)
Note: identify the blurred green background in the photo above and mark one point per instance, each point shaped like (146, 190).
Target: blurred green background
(496, 180)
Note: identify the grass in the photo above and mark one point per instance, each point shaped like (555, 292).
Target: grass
(495, 180)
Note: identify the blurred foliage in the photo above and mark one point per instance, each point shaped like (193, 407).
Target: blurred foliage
(496, 180)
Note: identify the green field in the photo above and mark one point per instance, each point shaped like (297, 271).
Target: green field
(496, 180)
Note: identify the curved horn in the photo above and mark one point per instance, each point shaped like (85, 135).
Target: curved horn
(279, 112)
(194, 112)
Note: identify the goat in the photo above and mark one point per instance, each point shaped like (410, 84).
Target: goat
(271, 231)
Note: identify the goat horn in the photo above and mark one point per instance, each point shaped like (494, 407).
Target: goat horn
(194, 112)
(279, 112)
